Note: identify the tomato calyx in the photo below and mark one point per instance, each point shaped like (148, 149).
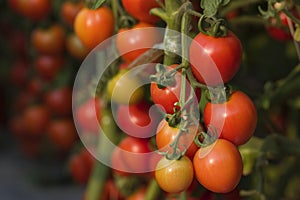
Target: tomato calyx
(219, 94)
(204, 139)
(214, 27)
(162, 77)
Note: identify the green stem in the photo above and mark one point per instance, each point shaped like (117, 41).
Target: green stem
(153, 190)
(185, 34)
(96, 184)
(291, 16)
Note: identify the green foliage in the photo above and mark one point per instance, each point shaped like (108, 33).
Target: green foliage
(211, 6)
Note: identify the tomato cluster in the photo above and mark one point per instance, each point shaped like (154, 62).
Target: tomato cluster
(176, 118)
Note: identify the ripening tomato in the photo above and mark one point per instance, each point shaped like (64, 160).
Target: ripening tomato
(36, 119)
(166, 135)
(94, 26)
(138, 194)
(59, 101)
(125, 88)
(131, 156)
(138, 120)
(69, 10)
(235, 120)
(78, 169)
(34, 10)
(48, 65)
(132, 42)
(88, 114)
(75, 47)
(219, 166)
(50, 40)
(174, 176)
(140, 9)
(62, 133)
(215, 60)
(280, 30)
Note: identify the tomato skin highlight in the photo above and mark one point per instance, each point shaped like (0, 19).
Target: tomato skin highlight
(213, 60)
(94, 26)
(235, 120)
(219, 166)
(174, 176)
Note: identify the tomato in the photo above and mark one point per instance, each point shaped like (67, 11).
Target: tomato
(174, 176)
(78, 169)
(48, 65)
(125, 88)
(138, 120)
(235, 120)
(88, 114)
(132, 42)
(75, 47)
(62, 133)
(140, 9)
(215, 60)
(166, 135)
(59, 101)
(50, 40)
(130, 156)
(219, 166)
(36, 119)
(94, 26)
(35, 86)
(34, 10)
(69, 10)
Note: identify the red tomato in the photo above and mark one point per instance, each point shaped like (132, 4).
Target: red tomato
(235, 120)
(88, 115)
(140, 9)
(36, 119)
(130, 156)
(174, 176)
(138, 120)
(94, 26)
(132, 42)
(213, 60)
(280, 30)
(48, 65)
(62, 133)
(166, 135)
(78, 169)
(69, 10)
(34, 10)
(219, 166)
(59, 101)
(50, 40)
(75, 47)
(35, 86)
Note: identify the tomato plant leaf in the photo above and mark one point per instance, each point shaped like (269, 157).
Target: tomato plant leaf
(97, 4)
(211, 7)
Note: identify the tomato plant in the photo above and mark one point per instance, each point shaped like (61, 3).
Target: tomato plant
(215, 60)
(174, 176)
(224, 117)
(134, 41)
(218, 167)
(94, 26)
